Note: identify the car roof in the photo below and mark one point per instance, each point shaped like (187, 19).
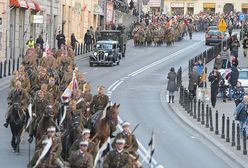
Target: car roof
(107, 42)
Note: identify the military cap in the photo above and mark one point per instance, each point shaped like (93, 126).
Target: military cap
(86, 131)
(86, 143)
(51, 129)
(120, 141)
(126, 124)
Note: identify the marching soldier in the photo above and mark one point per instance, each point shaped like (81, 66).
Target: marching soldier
(85, 137)
(55, 150)
(17, 95)
(118, 158)
(131, 144)
(100, 100)
(81, 158)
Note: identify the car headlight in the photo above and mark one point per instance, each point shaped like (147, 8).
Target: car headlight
(95, 53)
(106, 54)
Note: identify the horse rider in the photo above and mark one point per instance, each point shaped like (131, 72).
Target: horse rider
(67, 77)
(118, 157)
(81, 80)
(85, 136)
(100, 100)
(87, 95)
(17, 95)
(131, 144)
(98, 104)
(53, 159)
(78, 98)
(23, 77)
(81, 158)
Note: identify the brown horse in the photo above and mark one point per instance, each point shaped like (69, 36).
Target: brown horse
(106, 124)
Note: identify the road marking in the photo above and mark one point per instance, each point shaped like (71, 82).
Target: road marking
(95, 69)
(110, 87)
(85, 73)
(118, 84)
(161, 60)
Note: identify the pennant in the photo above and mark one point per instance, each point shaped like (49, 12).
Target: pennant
(102, 152)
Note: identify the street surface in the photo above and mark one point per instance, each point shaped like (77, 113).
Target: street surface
(136, 84)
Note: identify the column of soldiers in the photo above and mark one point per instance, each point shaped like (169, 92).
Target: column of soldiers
(40, 81)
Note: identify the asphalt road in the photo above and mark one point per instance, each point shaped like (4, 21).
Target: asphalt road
(136, 84)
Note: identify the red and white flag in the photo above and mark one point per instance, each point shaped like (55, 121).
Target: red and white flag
(68, 92)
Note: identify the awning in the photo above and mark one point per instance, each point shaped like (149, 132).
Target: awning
(18, 3)
(37, 5)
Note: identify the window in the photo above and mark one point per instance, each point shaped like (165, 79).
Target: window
(1, 44)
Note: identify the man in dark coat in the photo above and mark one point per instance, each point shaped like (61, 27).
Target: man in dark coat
(234, 75)
(193, 80)
(172, 86)
(73, 41)
(214, 78)
(87, 40)
(61, 39)
(40, 41)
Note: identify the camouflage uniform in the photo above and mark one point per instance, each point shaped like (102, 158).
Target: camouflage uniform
(131, 144)
(115, 159)
(80, 160)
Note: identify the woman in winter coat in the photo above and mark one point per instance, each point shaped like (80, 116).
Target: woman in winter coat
(214, 78)
(193, 79)
(172, 86)
(238, 93)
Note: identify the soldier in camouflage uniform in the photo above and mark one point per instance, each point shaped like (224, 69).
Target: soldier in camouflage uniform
(118, 158)
(131, 144)
(85, 137)
(81, 158)
(16, 95)
(53, 159)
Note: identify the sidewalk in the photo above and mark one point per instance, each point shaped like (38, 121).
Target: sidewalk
(226, 108)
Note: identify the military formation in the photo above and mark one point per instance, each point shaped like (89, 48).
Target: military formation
(68, 131)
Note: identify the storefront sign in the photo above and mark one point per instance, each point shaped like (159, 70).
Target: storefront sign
(190, 5)
(177, 4)
(209, 5)
(37, 19)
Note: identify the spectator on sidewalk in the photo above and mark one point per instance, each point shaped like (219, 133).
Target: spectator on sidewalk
(241, 113)
(235, 47)
(30, 43)
(200, 71)
(218, 62)
(230, 29)
(245, 45)
(172, 86)
(225, 56)
(193, 79)
(40, 42)
(238, 93)
(87, 40)
(235, 61)
(73, 41)
(234, 75)
(98, 34)
(60, 39)
(214, 79)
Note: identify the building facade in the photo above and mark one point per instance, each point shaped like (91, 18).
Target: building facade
(196, 6)
(3, 29)
(28, 18)
(78, 16)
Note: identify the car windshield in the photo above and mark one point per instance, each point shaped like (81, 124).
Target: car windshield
(104, 46)
(216, 33)
(243, 74)
(213, 28)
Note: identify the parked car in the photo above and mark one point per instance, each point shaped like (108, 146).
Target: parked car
(243, 76)
(214, 36)
(106, 52)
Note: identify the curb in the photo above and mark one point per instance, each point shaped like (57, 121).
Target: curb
(231, 155)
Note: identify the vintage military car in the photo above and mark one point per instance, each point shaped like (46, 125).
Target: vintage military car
(115, 35)
(107, 52)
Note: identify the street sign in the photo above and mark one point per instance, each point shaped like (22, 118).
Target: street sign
(241, 17)
(222, 25)
(38, 19)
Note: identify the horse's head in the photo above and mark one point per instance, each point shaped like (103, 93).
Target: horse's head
(16, 106)
(113, 112)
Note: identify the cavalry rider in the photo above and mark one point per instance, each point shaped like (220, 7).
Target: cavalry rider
(100, 100)
(118, 157)
(17, 95)
(131, 144)
(52, 159)
(85, 136)
(81, 158)
(87, 95)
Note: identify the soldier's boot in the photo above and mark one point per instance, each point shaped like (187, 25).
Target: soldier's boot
(169, 99)
(172, 97)
(6, 124)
